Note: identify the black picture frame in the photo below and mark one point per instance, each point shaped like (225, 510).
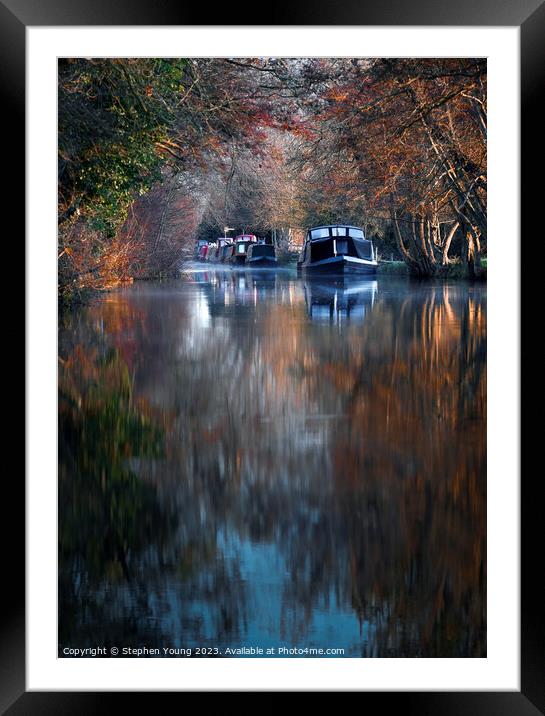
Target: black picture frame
(529, 16)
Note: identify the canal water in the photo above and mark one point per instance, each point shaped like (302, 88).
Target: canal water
(255, 460)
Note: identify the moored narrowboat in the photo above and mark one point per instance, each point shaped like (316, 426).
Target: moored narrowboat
(261, 255)
(337, 249)
(242, 242)
(201, 249)
(226, 251)
(211, 252)
(216, 248)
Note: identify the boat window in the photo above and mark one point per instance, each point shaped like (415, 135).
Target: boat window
(342, 246)
(319, 233)
(356, 233)
(321, 250)
(364, 249)
(338, 231)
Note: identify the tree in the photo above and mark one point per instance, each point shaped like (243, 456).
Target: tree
(411, 135)
(125, 127)
(153, 152)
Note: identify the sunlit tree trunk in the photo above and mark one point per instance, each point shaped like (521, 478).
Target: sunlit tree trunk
(448, 241)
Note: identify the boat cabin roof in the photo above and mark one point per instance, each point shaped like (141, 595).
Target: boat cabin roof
(261, 246)
(328, 230)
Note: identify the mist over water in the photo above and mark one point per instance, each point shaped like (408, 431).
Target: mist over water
(249, 459)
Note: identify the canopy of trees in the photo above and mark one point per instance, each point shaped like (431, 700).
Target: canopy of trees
(156, 152)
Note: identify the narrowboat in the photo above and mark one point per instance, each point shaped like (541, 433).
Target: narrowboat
(261, 256)
(211, 253)
(215, 248)
(242, 242)
(226, 251)
(201, 249)
(337, 250)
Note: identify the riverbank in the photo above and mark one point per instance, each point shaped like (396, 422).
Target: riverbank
(456, 271)
(72, 297)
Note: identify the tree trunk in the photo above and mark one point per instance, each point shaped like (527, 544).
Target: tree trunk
(448, 242)
(416, 251)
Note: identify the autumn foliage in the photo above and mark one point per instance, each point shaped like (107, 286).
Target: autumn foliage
(156, 152)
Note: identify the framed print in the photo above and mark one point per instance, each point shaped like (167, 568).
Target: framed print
(273, 417)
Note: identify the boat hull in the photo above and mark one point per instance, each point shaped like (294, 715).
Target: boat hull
(262, 262)
(340, 266)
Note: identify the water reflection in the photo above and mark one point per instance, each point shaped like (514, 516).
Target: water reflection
(339, 300)
(235, 470)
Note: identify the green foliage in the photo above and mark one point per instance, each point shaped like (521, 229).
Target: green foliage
(113, 115)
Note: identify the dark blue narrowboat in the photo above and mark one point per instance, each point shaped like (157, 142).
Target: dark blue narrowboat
(242, 242)
(337, 250)
(261, 256)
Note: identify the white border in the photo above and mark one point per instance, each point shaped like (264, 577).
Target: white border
(500, 670)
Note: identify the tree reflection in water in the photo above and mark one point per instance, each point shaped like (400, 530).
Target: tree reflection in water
(252, 460)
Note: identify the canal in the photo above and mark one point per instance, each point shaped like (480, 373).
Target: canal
(253, 460)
